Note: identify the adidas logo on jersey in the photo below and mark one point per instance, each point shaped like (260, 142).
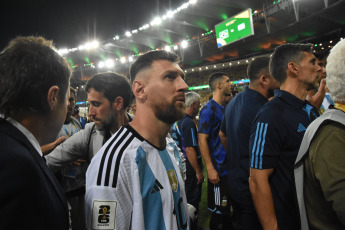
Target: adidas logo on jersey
(301, 128)
(156, 187)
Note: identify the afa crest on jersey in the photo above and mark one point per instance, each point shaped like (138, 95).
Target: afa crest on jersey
(173, 180)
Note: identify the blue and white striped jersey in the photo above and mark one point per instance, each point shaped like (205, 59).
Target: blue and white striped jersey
(130, 184)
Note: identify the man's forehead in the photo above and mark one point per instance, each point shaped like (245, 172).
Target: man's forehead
(160, 67)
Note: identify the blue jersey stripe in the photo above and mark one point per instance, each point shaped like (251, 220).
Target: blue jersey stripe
(195, 143)
(152, 203)
(254, 146)
(258, 146)
(178, 202)
(263, 146)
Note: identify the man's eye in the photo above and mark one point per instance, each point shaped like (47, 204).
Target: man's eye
(170, 76)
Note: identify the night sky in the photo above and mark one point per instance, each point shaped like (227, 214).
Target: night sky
(74, 22)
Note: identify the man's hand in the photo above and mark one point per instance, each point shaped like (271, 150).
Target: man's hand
(78, 162)
(46, 149)
(200, 177)
(213, 176)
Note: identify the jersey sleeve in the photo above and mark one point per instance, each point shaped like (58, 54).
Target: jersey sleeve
(206, 118)
(223, 126)
(109, 207)
(264, 141)
(189, 133)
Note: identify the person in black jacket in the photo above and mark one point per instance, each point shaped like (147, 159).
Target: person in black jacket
(34, 81)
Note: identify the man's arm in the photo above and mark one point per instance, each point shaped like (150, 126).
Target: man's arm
(205, 152)
(193, 160)
(48, 148)
(262, 197)
(72, 149)
(316, 99)
(224, 140)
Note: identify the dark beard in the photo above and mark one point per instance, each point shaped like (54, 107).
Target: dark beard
(108, 124)
(170, 114)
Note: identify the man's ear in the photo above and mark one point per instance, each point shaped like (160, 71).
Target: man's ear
(52, 96)
(118, 103)
(138, 89)
(293, 68)
(264, 80)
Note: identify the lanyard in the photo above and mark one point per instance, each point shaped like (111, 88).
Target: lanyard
(75, 129)
(339, 106)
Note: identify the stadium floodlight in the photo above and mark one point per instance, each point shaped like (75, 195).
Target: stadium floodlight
(167, 48)
(128, 34)
(117, 37)
(94, 44)
(63, 51)
(88, 46)
(109, 63)
(170, 14)
(156, 22)
(184, 44)
(130, 59)
(175, 47)
(101, 64)
(81, 47)
(192, 1)
(185, 5)
(134, 31)
(146, 26)
(123, 60)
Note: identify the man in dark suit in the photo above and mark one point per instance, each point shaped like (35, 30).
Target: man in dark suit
(34, 81)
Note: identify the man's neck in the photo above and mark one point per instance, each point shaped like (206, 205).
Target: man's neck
(121, 119)
(149, 127)
(219, 97)
(189, 112)
(294, 87)
(259, 89)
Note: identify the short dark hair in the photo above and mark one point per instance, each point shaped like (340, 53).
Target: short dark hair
(284, 54)
(255, 68)
(112, 85)
(214, 78)
(145, 61)
(29, 67)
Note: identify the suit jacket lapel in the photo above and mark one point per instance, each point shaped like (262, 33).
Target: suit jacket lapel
(20, 137)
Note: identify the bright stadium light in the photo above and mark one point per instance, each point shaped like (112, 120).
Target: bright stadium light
(117, 37)
(170, 14)
(167, 48)
(175, 47)
(123, 60)
(192, 1)
(156, 22)
(184, 44)
(101, 64)
(81, 47)
(63, 51)
(128, 34)
(109, 63)
(94, 44)
(130, 59)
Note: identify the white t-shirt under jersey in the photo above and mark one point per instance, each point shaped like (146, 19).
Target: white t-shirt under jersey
(130, 184)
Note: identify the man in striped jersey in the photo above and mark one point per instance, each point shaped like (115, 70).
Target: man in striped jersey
(134, 182)
(277, 133)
